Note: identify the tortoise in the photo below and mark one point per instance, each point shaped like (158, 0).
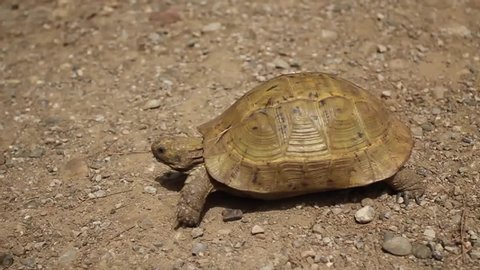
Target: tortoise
(294, 134)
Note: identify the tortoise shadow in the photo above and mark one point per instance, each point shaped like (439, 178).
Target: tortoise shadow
(174, 181)
(318, 199)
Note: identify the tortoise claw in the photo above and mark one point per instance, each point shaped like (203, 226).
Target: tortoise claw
(407, 195)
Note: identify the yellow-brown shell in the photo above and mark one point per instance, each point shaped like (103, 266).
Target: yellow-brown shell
(302, 133)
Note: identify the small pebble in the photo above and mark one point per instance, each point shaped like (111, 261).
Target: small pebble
(317, 228)
(386, 94)
(365, 214)
(224, 231)
(257, 230)
(197, 232)
(475, 253)
(152, 104)
(308, 253)
(417, 132)
(150, 190)
(6, 259)
(280, 63)
(398, 246)
(97, 194)
(381, 48)
(421, 251)
(429, 234)
(366, 201)
(438, 92)
(328, 34)
(211, 27)
(231, 214)
(436, 111)
(199, 248)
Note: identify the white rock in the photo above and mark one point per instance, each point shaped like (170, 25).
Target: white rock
(257, 230)
(365, 214)
(212, 27)
(152, 104)
(280, 63)
(150, 189)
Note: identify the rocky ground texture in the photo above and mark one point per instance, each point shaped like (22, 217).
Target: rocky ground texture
(85, 86)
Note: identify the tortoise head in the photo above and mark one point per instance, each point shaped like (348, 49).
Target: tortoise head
(179, 153)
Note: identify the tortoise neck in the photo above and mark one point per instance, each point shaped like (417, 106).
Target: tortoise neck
(195, 152)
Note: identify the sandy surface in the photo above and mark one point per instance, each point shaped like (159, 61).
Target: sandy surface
(86, 86)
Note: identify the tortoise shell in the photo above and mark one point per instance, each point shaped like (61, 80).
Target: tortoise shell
(303, 133)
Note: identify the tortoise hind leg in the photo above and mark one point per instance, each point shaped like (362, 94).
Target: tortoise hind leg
(193, 197)
(407, 184)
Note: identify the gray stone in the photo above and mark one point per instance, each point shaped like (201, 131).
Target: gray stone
(232, 214)
(365, 214)
(150, 190)
(199, 248)
(398, 246)
(280, 63)
(366, 201)
(197, 232)
(429, 234)
(421, 251)
(152, 104)
(68, 256)
(6, 259)
(317, 228)
(417, 131)
(475, 253)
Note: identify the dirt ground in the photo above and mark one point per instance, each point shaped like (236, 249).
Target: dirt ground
(86, 86)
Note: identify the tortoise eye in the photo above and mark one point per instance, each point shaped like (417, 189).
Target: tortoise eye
(160, 150)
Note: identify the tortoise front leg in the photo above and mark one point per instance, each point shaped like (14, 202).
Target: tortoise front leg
(193, 197)
(407, 184)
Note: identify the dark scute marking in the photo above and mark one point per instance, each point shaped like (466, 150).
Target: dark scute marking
(272, 87)
(360, 134)
(304, 184)
(330, 182)
(254, 128)
(284, 98)
(296, 110)
(322, 102)
(269, 101)
(254, 179)
(263, 111)
(316, 94)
